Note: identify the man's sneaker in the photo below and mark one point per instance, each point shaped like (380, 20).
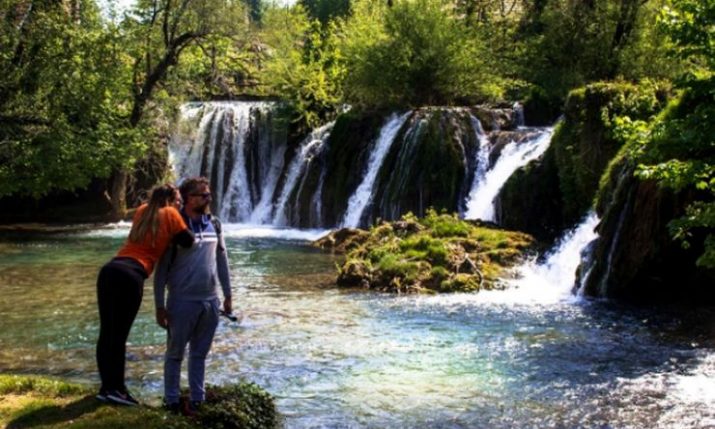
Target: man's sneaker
(102, 395)
(173, 408)
(121, 398)
(191, 408)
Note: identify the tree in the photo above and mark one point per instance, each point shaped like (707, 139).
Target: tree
(158, 31)
(64, 98)
(678, 148)
(414, 53)
(326, 10)
(304, 65)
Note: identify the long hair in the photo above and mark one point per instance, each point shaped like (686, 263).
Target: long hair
(148, 222)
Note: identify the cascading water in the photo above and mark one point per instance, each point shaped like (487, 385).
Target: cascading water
(555, 278)
(480, 203)
(482, 160)
(237, 147)
(257, 180)
(308, 150)
(360, 199)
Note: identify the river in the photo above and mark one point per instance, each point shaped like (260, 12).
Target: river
(346, 358)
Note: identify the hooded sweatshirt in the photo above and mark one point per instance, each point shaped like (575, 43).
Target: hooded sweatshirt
(192, 274)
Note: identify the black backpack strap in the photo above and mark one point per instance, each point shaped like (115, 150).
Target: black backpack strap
(217, 227)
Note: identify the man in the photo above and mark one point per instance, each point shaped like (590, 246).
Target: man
(191, 312)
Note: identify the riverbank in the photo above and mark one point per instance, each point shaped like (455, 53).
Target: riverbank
(33, 401)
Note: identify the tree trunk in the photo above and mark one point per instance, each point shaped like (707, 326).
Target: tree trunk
(118, 195)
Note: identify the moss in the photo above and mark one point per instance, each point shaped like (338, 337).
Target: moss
(460, 283)
(46, 386)
(585, 142)
(30, 401)
(238, 406)
(443, 254)
(409, 180)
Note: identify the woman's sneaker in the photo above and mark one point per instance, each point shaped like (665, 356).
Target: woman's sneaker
(121, 398)
(102, 395)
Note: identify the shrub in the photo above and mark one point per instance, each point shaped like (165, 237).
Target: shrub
(239, 406)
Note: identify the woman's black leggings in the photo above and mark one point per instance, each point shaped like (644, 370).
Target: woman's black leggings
(120, 287)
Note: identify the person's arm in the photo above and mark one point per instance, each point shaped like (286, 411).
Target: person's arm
(181, 234)
(160, 277)
(184, 238)
(223, 274)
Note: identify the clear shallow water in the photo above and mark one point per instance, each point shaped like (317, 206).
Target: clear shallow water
(340, 358)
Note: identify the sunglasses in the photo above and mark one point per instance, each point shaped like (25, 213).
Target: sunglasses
(204, 195)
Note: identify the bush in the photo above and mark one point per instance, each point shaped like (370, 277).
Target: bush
(414, 53)
(239, 406)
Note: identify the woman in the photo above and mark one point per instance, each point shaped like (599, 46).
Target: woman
(120, 284)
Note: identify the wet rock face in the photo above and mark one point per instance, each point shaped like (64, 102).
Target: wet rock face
(555, 192)
(636, 259)
(531, 200)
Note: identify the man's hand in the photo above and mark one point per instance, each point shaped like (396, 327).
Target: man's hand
(162, 317)
(227, 306)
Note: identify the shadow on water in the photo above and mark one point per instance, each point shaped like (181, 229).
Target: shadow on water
(55, 414)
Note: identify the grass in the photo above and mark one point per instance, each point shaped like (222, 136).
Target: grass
(42, 402)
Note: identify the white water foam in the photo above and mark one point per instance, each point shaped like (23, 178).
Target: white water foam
(553, 280)
(238, 230)
(480, 204)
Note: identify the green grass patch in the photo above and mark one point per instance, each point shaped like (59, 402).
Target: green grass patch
(34, 402)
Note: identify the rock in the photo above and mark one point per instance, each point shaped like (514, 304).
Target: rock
(354, 272)
(342, 240)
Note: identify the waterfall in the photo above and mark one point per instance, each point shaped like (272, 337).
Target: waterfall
(518, 114)
(257, 179)
(555, 278)
(360, 199)
(482, 159)
(480, 204)
(235, 145)
(309, 148)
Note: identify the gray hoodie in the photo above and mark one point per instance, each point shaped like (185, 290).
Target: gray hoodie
(194, 273)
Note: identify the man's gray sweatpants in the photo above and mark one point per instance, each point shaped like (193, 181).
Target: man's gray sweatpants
(193, 323)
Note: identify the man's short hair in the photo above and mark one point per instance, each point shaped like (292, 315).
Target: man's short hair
(190, 186)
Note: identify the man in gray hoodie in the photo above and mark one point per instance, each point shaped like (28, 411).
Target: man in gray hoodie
(191, 312)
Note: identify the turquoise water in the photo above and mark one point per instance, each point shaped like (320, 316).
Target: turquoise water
(336, 358)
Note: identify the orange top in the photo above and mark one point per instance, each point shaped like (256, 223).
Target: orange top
(170, 223)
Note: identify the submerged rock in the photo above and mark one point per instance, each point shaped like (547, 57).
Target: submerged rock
(437, 253)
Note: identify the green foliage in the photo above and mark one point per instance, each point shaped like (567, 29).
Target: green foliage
(678, 148)
(437, 253)
(412, 54)
(326, 10)
(590, 136)
(570, 44)
(64, 100)
(304, 66)
(239, 406)
(74, 88)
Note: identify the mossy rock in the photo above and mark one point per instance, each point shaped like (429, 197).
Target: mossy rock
(437, 253)
(585, 142)
(342, 240)
(238, 406)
